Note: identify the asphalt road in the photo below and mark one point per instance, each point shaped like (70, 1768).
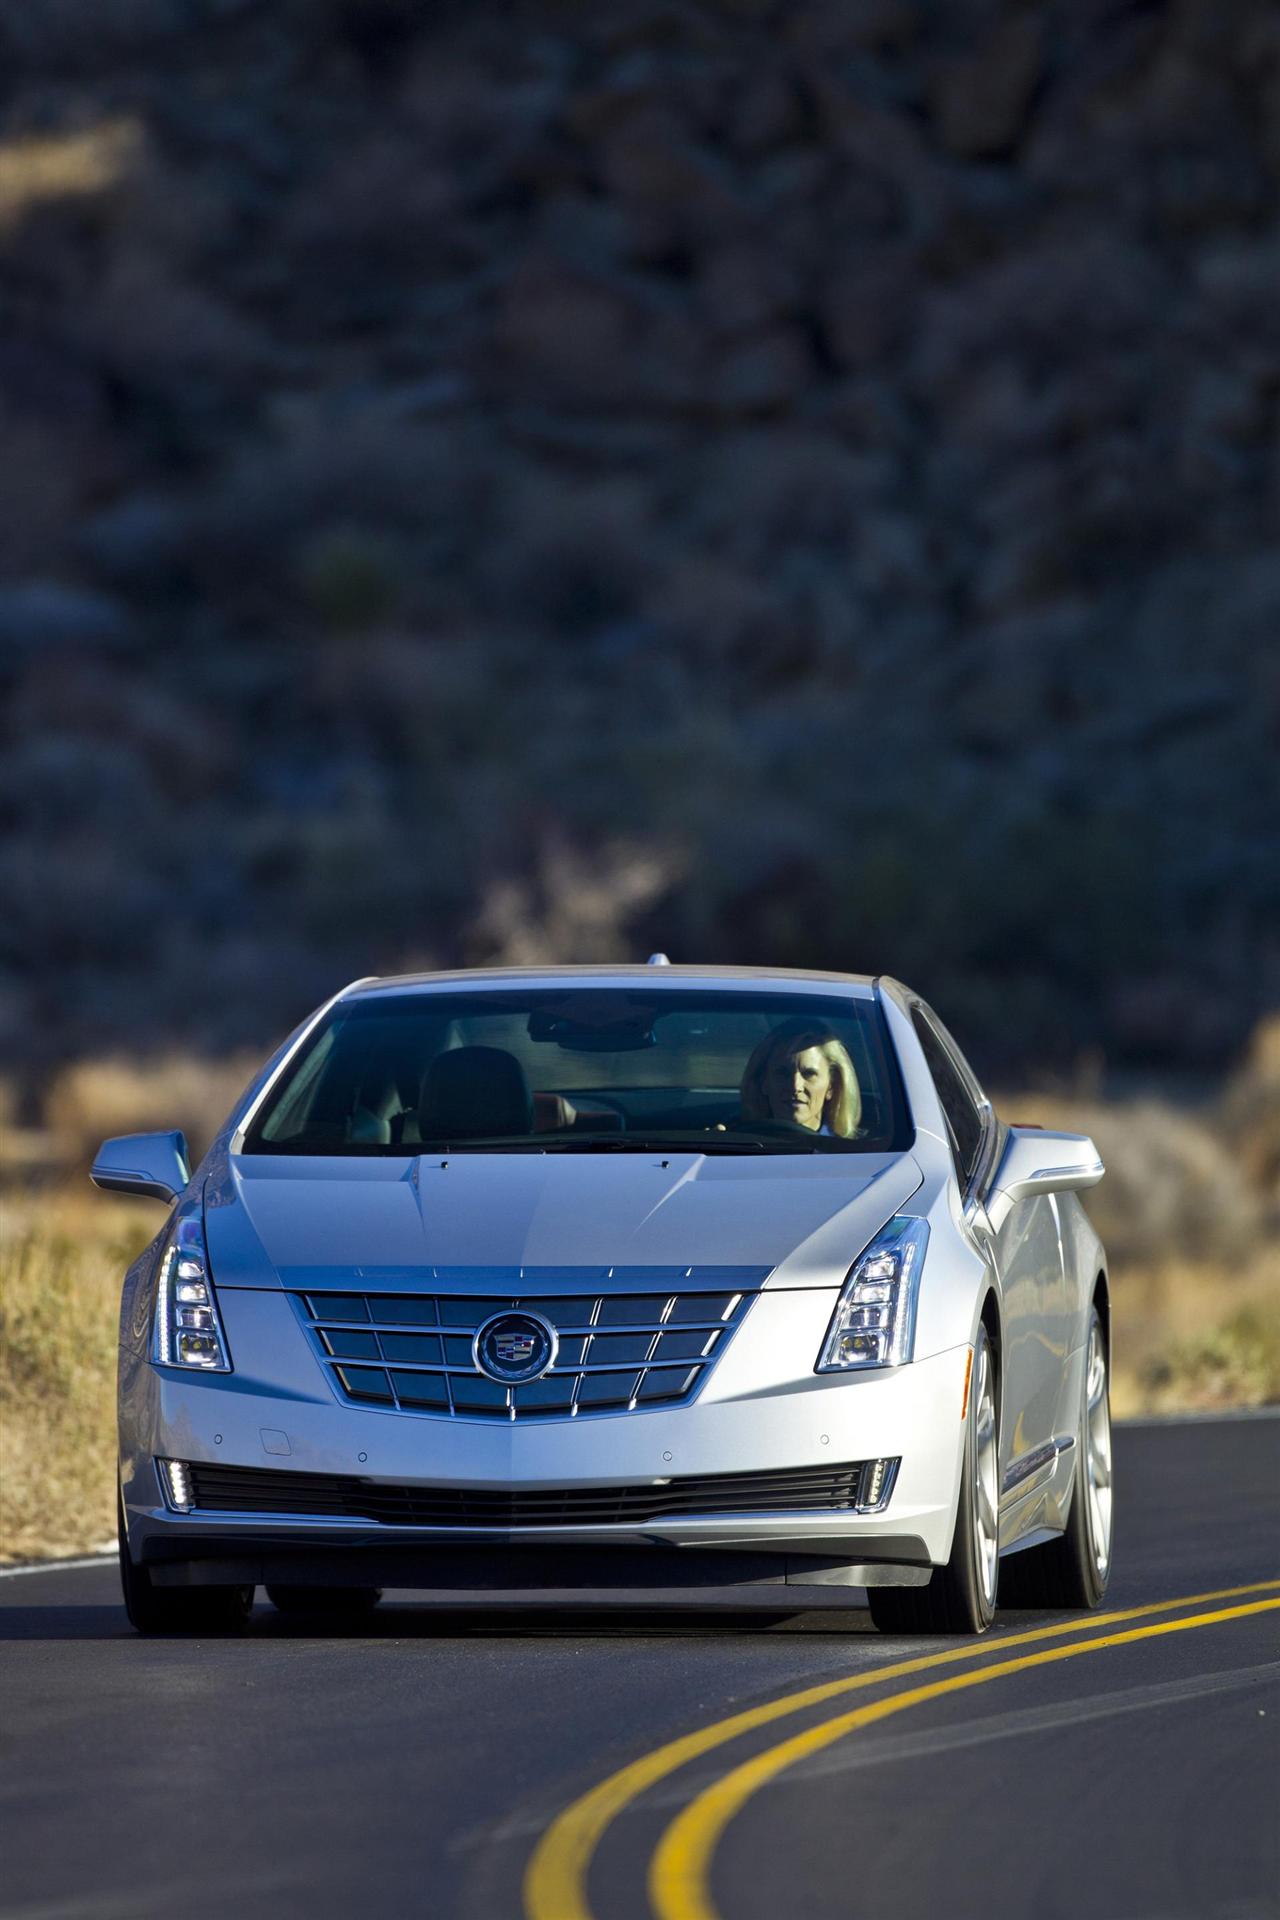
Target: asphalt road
(416, 1767)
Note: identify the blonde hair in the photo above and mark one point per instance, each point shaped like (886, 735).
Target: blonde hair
(844, 1108)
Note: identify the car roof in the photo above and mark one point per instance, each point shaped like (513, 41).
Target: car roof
(660, 977)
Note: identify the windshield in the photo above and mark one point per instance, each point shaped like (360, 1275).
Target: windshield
(590, 1069)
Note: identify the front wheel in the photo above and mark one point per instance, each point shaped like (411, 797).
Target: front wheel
(152, 1609)
(961, 1597)
(1072, 1571)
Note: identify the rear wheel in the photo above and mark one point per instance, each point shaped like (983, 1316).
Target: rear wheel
(153, 1609)
(961, 1597)
(1073, 1570)
(313, 1602)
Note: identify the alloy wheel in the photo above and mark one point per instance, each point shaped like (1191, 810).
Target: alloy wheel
(1097, 1440)
(986, 1495)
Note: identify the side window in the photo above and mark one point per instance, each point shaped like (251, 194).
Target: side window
(964, 1122)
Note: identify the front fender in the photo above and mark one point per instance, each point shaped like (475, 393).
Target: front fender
(956, 1277)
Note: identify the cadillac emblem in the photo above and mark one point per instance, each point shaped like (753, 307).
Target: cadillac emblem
(513, 1347)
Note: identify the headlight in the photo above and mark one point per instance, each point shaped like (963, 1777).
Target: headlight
(874, 1322)
(187, 1331)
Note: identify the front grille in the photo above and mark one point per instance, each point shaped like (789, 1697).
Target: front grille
(651, 1346)
(219, 1489)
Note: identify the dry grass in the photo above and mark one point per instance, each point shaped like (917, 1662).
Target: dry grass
(1251, 1113)
(62, 1264)
(1192, 1338)
(93, 1099)
(1189, 1213)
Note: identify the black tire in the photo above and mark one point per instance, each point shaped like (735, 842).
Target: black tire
(1072, 1572)
(319, 1602)
(178, 1610)
(960, 1597)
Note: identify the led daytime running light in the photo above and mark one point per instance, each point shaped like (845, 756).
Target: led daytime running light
(175, 1479)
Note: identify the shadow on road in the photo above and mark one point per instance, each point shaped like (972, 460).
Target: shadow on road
(402, 1621)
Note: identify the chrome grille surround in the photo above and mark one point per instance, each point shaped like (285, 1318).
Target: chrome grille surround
(650, 1340)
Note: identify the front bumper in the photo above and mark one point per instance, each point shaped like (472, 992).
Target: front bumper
(764, 1410)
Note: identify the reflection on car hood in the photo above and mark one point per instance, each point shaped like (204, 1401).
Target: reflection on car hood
(394, 1223)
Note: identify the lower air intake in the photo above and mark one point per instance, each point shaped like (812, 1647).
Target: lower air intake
(255, 1490)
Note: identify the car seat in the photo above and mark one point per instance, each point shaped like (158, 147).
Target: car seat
(470, 1093)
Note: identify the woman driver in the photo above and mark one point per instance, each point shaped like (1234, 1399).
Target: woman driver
(800, 1072)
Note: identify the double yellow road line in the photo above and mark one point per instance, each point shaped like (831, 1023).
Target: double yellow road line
(555, 1885)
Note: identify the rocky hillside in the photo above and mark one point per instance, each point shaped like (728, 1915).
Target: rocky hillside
(790, 481)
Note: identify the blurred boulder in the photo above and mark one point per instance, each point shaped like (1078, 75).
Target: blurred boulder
(981, 99)
(745, 285)
(137, 540)
(51, 614)
(762, 375)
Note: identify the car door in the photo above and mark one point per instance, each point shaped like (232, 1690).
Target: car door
(1026, 1256)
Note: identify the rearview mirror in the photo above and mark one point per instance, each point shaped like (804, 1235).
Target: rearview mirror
(601, 1022)
(152, 1164)
(1037, 1161)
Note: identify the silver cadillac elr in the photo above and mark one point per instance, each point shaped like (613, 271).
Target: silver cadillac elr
(642, 1278)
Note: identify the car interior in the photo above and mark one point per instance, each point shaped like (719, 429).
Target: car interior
(398, 1083)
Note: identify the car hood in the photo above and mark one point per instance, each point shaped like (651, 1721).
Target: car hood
(481, 1221)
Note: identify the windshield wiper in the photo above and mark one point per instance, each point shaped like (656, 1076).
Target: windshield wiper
(535, 1143)
(637, 1143)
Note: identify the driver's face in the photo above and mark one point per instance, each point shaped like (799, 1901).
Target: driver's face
(797, 1085)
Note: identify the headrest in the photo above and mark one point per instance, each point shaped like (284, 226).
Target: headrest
(470, 1092)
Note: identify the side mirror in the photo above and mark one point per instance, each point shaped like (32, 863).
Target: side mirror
(1037, 1161)
(152, 1164)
